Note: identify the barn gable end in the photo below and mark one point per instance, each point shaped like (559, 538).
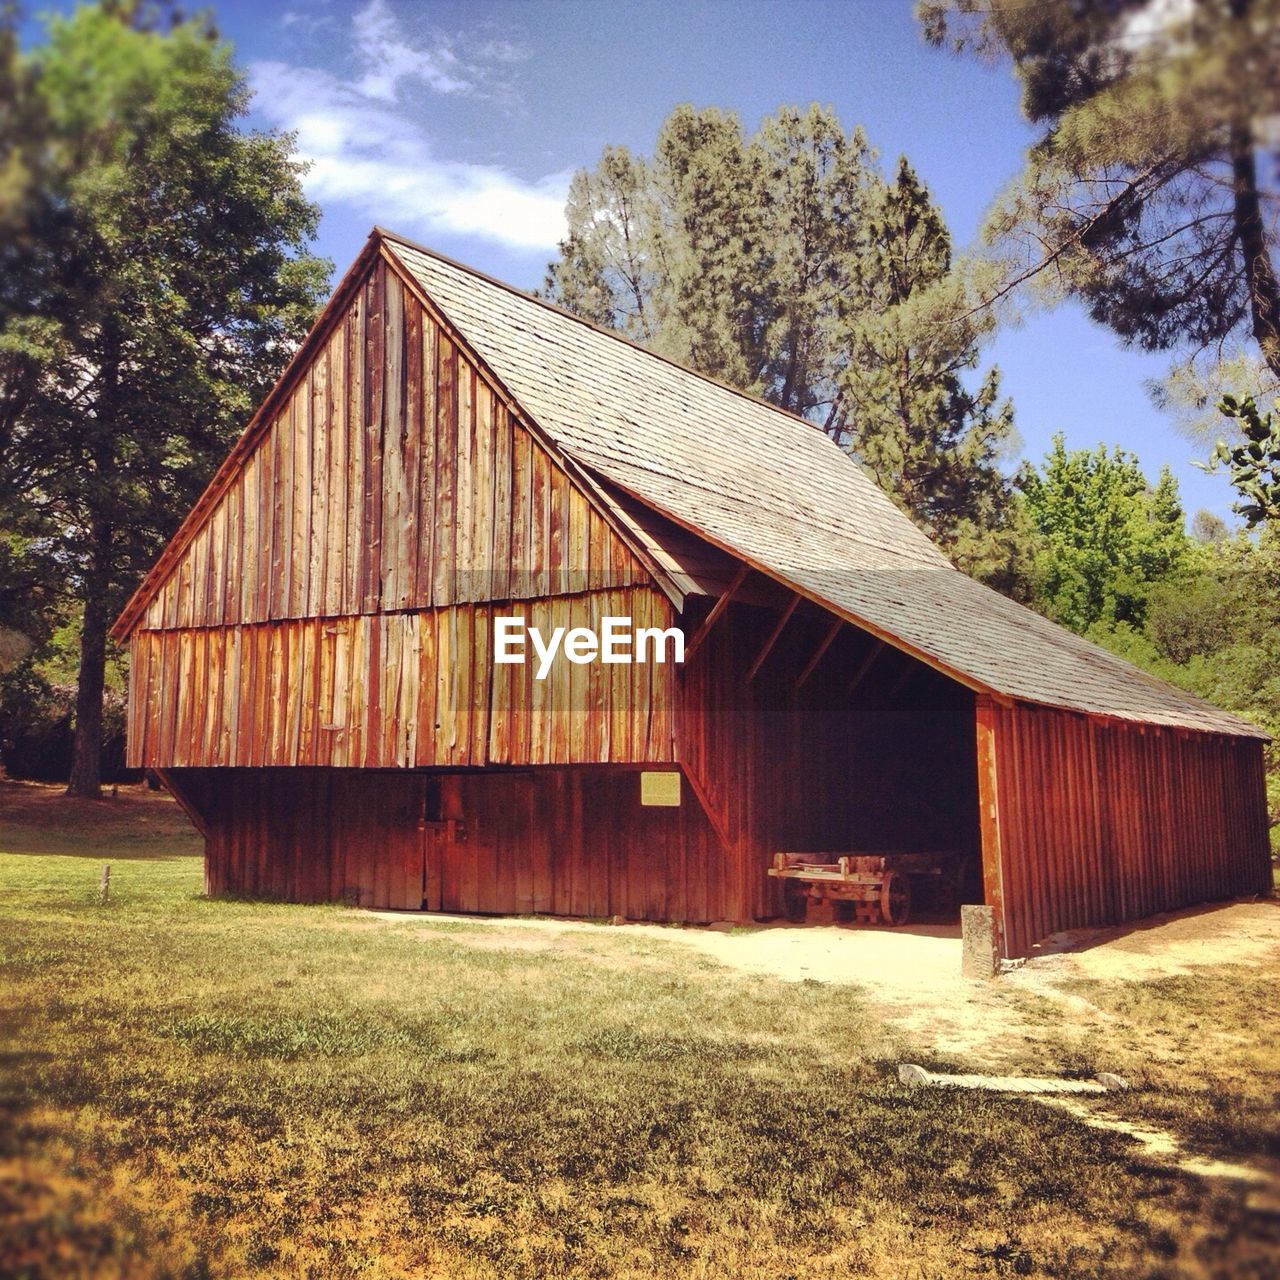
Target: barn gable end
(332, 602)
(392, 476)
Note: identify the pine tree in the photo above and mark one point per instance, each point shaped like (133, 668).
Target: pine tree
(784, 264)
(930, 441)
(1151, 192)
(606, 270)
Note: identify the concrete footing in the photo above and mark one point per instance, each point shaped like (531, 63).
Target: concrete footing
(980, 957)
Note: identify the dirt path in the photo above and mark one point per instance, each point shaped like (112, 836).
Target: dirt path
(913, 975)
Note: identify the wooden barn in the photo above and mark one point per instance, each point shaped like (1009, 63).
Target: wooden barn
(449, 461)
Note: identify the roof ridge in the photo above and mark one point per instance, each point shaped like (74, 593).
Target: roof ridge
(387, 234)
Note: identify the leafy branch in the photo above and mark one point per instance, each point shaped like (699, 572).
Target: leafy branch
(1254, 464)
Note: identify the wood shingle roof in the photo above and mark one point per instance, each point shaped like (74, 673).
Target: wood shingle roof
(776, 492)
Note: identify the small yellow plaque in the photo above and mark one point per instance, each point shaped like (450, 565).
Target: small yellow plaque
(660, 789)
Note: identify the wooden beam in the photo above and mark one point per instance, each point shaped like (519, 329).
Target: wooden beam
(985, 720)
(709, 810)
(716, 610)
(767, 647)
(185, 803)
(865, 665)
(820, 651)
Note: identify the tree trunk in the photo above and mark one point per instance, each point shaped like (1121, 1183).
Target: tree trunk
(86, 752)
(1260, 277)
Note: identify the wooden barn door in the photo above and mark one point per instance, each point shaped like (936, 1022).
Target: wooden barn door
(474, 837)
(375, 819)
(442, 816)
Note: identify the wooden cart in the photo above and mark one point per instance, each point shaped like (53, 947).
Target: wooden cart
(875, 887)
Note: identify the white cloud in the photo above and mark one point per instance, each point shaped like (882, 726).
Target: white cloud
(367, 151)
(389, 57)
(1158, 27)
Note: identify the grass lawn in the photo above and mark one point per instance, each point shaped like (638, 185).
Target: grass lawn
(206, 1089)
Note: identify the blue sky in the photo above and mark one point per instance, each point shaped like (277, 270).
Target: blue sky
(459, 124)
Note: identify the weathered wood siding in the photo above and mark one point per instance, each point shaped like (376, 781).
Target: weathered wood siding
(559, 841)
(336, 608)
(332, 619)
(406, 689)
(1095, 822)
(392, 477)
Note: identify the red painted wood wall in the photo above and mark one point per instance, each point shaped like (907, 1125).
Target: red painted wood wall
(573, 841)
(1091, 822)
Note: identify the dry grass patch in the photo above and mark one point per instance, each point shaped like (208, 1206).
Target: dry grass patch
(1202, 1049)
(197, 1089)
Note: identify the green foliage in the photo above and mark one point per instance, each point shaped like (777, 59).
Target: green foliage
(37, 702)
(153, 278)
(909, 333)
(1150, 192)
(730, 253)
(1254, 465)
(785, 264)
(1106, 536)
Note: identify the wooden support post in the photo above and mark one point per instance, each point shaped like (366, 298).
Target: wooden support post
(865, 665)
(989, 819)
(980, 942)
(717, 609)
(820, 651)
(104, 884)
(767, 647)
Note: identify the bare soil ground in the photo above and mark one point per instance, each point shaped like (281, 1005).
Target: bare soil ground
(913, 973)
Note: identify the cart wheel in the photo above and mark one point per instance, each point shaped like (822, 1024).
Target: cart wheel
(796, 904)
(895, 898)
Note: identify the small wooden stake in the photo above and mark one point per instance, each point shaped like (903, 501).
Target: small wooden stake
(104, 885)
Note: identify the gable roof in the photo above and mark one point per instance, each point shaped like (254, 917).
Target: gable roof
(774, 490)
(740, 477)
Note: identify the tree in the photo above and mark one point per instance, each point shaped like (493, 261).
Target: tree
(1254, 464)
(1150, 193)
(784, 264)
(907, 415)
(725, 252)
(1213, 628)
(1107, 536)
(154, 280)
